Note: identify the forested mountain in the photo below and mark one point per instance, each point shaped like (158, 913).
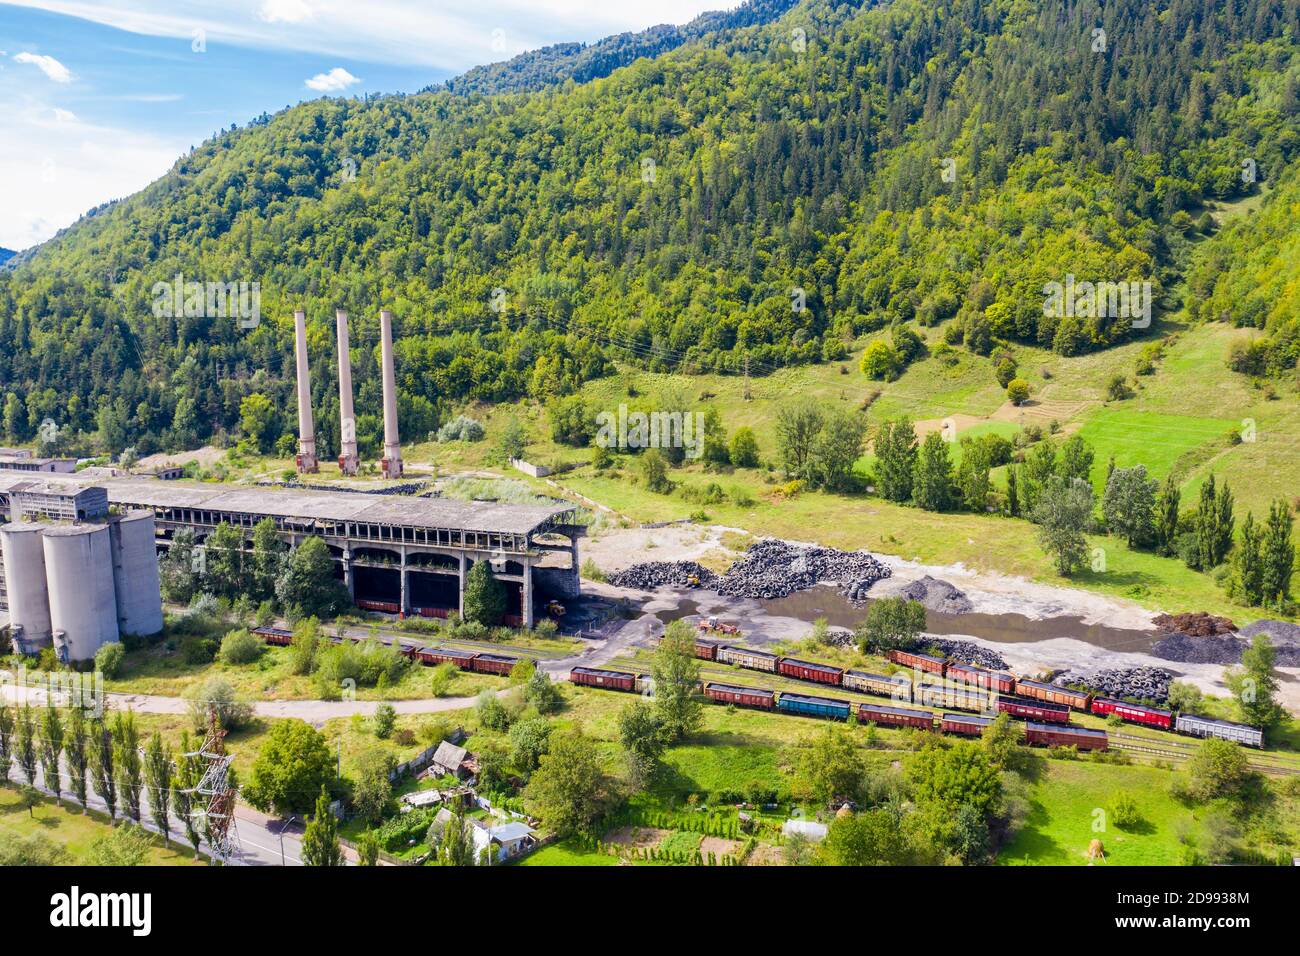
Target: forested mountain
(6, 255)
(909, 162)
(582, 62)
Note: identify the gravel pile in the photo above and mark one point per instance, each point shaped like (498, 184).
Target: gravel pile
(1195, 624)
(938, 596)
(652, 575)
(774, 569)
(1285, 636)
(968, 652)
(1185, 649)
(1148, 683)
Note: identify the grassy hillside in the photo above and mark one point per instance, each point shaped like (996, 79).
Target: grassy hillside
(881, 169)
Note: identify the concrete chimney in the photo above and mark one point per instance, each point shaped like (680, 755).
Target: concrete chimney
(392, 463)
(347, 419)
(306, 435)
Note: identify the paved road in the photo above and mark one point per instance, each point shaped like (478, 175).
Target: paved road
(258, 834)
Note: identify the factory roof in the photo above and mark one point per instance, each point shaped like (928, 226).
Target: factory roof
(405, 510)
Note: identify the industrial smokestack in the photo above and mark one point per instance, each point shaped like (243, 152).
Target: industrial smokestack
(392, 463)
(306, 435)
(347, 420)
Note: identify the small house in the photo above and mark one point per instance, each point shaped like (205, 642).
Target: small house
(450, 759)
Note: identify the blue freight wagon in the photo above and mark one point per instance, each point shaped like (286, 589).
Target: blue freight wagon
(813, 706)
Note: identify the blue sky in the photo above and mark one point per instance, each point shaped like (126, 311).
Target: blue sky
(98, 99)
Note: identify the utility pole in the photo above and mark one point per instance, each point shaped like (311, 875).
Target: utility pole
(748, 396)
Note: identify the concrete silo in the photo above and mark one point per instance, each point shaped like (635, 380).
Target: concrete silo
(135, 574)
(29, 605)
(83, 599)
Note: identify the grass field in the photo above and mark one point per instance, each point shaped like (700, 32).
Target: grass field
(74, 831)
(1178, 421)
(1071, 799)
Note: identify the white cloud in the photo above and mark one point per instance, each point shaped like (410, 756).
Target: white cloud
(51, 67)
(284, 11)
(64, 116)
(332, 82)
(439, 35)
(54, 168)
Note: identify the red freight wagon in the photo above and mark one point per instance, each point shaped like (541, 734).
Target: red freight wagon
(807, 670)
(1034, 710)
(387, 607)
(441, 612)
(887, 716)
(611, 680)
(1151, 716)
(963, 724)
(1053, 694)
(445, 655)
(924, 662)
(493, 663)
(275, 635)
(706, 650)
(1048, 736)
(743, 696)
(990, 680)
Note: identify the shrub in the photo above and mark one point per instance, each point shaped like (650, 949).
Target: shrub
(461, 428)
(1124, 811)
(385, 720)
(109, 658)
(198, 650)
(216, 694)
(240, 647)
(1018, 391)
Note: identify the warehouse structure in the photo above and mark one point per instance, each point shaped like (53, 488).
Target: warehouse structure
(394, 553)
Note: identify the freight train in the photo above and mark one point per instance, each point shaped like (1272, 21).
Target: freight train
(807, 705)
(965, 687)
(477, 661)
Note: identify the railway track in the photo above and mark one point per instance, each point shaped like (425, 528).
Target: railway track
(1177, 750)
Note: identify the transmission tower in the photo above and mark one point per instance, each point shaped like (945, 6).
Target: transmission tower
(214, 797)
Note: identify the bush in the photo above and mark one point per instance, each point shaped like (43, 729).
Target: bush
(385, 720)
(1124, 812)
(109, 658)
(461, 428)
(492, 714)
(1018, 391)
(199, 650)
(216, 694)
(240, 647)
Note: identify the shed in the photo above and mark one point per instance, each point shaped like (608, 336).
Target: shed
(449, 758)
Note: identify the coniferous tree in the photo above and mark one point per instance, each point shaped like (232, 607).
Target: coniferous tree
(126, 757)
(158, 784)
(52, 750)
(183, 785)
(320, 839)
(6, 740)
(103, 773)
(1278, 556)
(76, 751)
(1166, 518)
(1248, 562)
(25, 748)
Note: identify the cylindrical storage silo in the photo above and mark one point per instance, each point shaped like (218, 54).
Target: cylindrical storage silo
(135, 574)
(79, 572)
(29, 603)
